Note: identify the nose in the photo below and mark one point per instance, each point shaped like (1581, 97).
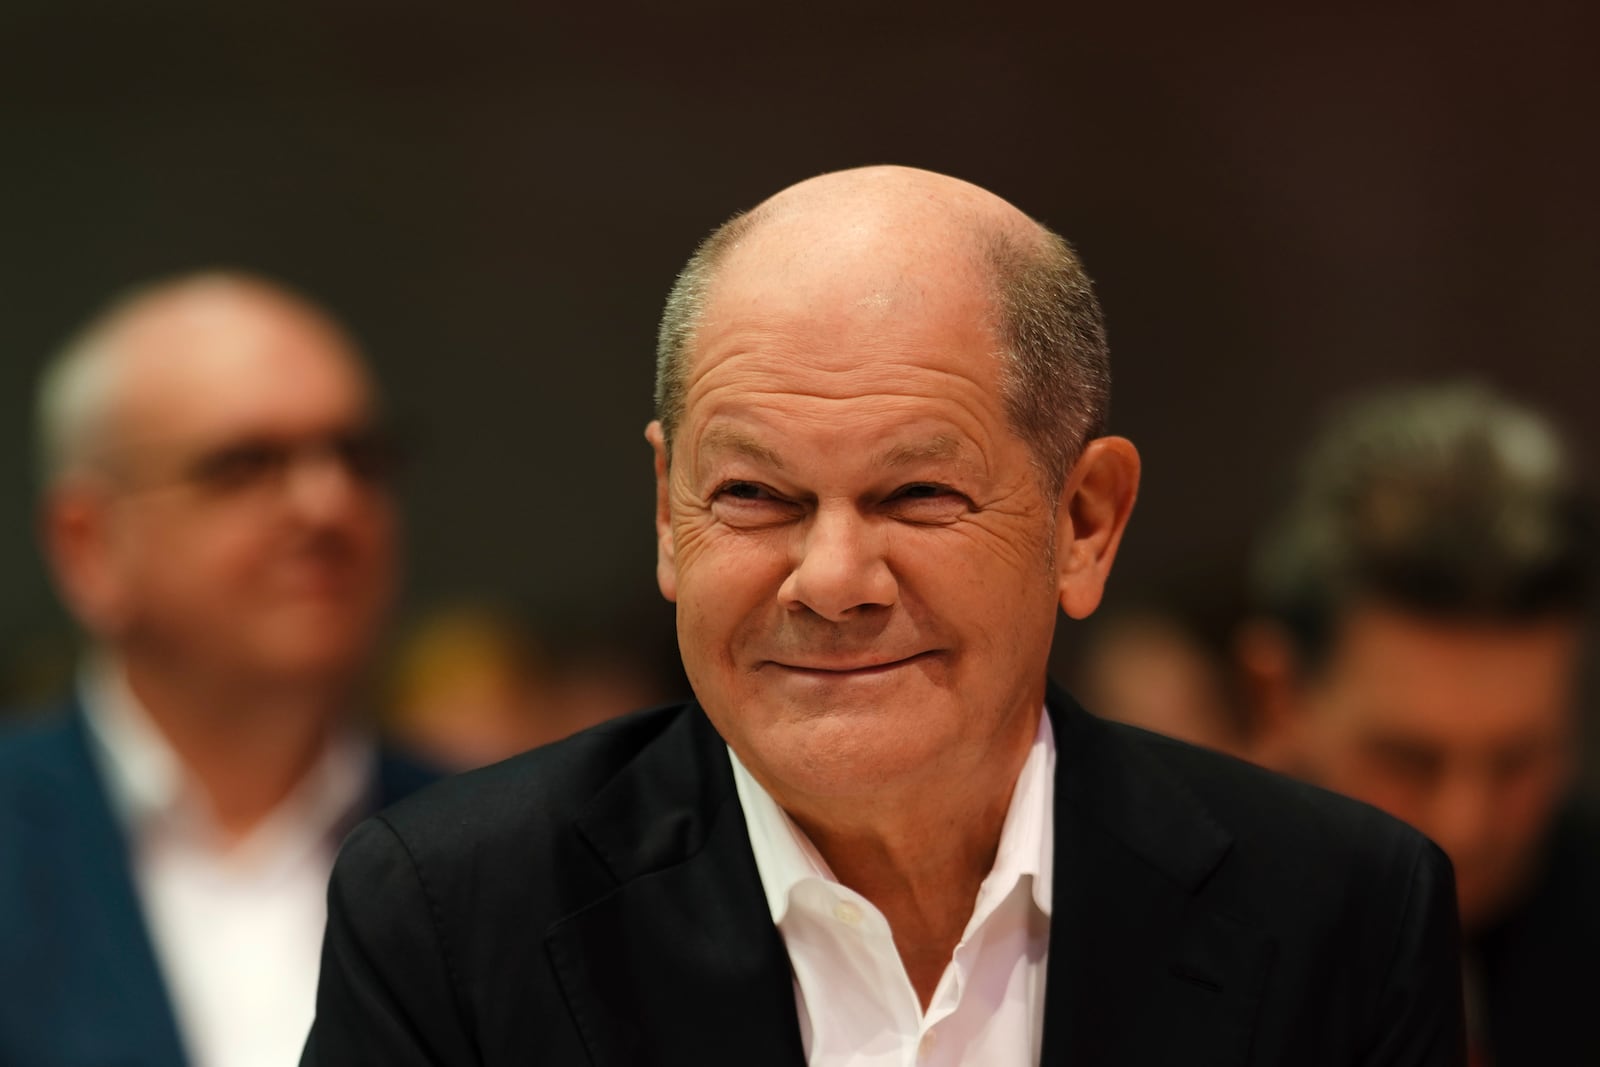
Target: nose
(321, 486)
(1464, 814)
(840, 570)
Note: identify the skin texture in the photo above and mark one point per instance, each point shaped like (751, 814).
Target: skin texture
(866, 567)
(1463, 729)
(241, 608)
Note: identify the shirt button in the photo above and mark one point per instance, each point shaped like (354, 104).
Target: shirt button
(925, 1046)
(847, 912)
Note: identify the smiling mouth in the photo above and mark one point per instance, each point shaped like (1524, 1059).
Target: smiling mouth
(848, 670)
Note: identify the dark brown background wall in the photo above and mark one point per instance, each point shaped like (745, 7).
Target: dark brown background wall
(1279, 208)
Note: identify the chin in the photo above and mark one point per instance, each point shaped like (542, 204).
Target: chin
(311, 657)
(844, 754)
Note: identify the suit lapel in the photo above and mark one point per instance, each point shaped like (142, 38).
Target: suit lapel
(102, 964)
(1142, 970)
(681, 963)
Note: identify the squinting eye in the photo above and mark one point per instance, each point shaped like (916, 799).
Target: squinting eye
(744, 491)
(750, 505)
(928, 502)
(747, 493)
(922, 492)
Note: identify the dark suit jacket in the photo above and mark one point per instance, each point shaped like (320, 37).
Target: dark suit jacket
(1539, 966)
(596, 902)
(79, 980)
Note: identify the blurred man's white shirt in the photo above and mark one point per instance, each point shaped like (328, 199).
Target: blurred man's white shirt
(236, 925)
(856, 1003)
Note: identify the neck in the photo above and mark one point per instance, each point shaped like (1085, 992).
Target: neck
(922, 859)
(245, 742)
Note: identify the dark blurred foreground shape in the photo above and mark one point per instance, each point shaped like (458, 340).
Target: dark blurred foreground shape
(215, 512)
(1423, 597)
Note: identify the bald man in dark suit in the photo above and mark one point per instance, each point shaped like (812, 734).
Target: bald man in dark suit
(877, 835)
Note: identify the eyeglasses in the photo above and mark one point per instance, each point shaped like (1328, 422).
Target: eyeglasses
(369, 456)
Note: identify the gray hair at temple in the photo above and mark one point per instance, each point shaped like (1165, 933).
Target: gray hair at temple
(78, 387)
(1056, 381)
(1449, 501)
(75, 393)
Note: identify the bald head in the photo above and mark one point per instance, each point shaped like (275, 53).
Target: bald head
(881, 234)
(924, 210)
(195, 327)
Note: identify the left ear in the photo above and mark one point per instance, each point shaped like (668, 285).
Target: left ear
(1090, 516)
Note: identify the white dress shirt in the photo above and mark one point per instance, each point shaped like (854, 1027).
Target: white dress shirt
(856, 1003)
(236, 924)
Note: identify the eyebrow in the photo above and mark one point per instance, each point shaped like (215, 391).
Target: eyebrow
(729, 439)
(943, 446)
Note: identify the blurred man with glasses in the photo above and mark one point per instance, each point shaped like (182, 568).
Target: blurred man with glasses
(216, 514)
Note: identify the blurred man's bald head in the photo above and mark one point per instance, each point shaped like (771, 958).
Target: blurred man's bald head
(86, 392)
(888, 229)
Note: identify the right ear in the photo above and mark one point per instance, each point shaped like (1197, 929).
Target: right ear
(1092, 514)
(75, 533)
(666, 553)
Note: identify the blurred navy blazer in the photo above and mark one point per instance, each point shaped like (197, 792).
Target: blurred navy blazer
(79, 981)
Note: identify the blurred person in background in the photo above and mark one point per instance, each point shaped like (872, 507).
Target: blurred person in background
(472, 684)
(463, 687)
(216, 515)
(598, 674)
(1423, 595)
(1149, 667)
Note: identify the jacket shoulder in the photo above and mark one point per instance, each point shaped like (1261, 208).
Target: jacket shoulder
(490, 859)
(529, 792)
(1355, 909)
(1299, 857)
(37, 748)
(513, 834)
(1265, 809)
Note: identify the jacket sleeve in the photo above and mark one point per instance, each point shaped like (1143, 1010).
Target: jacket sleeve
(386, 996)
(1420, 1020)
